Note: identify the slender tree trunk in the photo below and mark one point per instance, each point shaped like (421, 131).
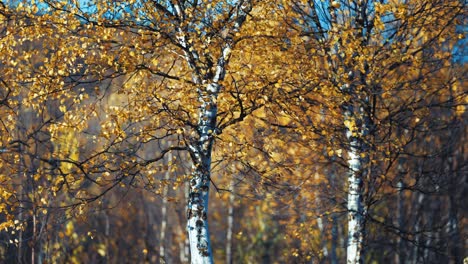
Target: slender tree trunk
(400, 256)
(184, 245)
(321, 220)
(107, 234)
(431, 237)
(323, 245)
(197, 211)
(355, 208)
(334, 224)
(34, 237)
(419, 240)
(200, 146)
(357, 157)
(20, 234)
(334, 240)
(230, 223)
(454, 233)
(162, 235)
(358, 122)
(200, 149)
(455, 243)
(24, 183)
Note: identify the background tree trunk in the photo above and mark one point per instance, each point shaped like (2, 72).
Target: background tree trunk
(162, 234)
(230, 222)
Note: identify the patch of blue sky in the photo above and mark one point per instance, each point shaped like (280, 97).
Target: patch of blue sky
(460, 51)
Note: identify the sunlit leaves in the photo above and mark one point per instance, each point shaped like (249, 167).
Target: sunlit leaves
(101, 90)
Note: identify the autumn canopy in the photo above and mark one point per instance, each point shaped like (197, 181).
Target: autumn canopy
(233, 131)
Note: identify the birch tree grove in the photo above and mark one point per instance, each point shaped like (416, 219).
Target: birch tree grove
(315, 131)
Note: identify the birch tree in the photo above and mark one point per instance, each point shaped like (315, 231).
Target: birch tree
(359, 48)
(170, 60)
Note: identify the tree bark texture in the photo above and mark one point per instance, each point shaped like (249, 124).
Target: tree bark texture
(356, 129)
(197, 211)
(200, 146)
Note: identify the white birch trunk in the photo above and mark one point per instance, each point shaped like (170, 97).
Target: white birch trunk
(201, 145)
(197, 211)
(357, 157)
(357, 122)
(355, 208)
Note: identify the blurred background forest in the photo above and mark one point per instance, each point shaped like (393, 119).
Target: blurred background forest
(323, 105)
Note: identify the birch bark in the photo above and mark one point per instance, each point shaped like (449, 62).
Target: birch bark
(357, 158)
(200, 146)
(358, 123)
